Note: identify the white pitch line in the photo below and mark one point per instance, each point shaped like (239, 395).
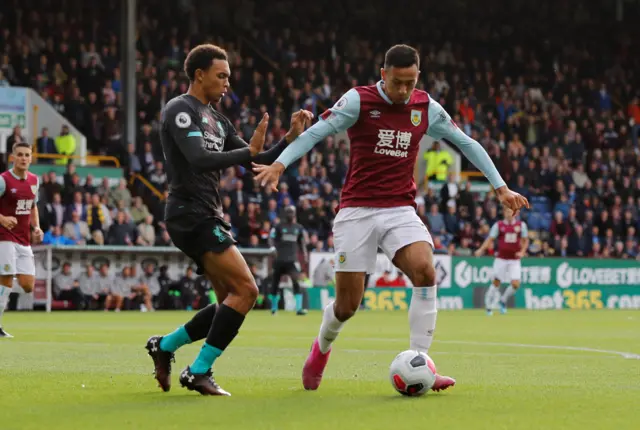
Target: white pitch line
(627, 355)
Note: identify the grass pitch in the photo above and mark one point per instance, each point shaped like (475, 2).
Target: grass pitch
(525, 370)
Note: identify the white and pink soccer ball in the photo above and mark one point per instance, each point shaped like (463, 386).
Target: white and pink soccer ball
(412, 373)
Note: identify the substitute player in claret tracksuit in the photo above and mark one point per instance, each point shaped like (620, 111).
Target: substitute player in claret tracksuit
(288, 237)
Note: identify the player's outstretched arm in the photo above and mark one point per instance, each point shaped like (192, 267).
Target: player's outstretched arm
(299, 121)
(441, 126)
(183, 125)
(340, 117)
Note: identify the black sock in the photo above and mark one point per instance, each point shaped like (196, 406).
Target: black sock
(226, 324)
(296, 286)
(200, 324)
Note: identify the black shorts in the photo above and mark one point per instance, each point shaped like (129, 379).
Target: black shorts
(285, 267)
(196, 238)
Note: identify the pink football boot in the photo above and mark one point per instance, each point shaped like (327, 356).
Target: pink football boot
(442, 383)
(314, 367)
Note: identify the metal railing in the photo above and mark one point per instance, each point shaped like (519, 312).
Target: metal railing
(147, 184)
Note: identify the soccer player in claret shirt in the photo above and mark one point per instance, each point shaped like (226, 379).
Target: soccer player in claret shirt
(513, 241)
(19, 226)
(198, 143)
(385, 123)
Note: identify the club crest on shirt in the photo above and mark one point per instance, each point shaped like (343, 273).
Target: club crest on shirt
(183, 120)
(517, 229)
(34, 189)
(416, 117)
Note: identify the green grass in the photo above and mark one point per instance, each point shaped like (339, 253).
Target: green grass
(90, 371)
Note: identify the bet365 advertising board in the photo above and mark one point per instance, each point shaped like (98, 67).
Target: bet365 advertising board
(547, 283)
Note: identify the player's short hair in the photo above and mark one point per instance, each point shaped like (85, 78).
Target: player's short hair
(20, 145)
(401, 56)
(201, 57)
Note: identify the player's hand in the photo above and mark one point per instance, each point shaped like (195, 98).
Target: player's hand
(478, 253)
(299, 122)
(8, 222)
(520, 254)
(268, 176)
(511, 199)
(257, 140)
(36, 235)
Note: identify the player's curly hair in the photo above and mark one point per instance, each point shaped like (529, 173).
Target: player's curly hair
(401, 56)
(201, 57)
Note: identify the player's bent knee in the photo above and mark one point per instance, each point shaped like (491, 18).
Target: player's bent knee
(424, 275)
(344, 312)
(248, 290)
(26, 283)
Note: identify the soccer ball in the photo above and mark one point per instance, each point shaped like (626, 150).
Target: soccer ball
(412, 373)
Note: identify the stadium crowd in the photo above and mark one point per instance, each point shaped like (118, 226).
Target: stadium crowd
(561, 122)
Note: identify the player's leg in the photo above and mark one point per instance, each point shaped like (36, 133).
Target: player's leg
(232, 271)
(294, 274)
(118, 300)
(513, 273)
(25, 268)
(356, 240)
(274, 297)
(6, 282)
(162, 348)
(492, 296)
(408, 244)
(7, 272)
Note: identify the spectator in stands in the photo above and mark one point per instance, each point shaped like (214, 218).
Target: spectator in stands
(132, 161)
(153, 284)
(65, 145)
(76, 230)
(76, 206)
(438, 162)
(97, 238)
(146, 232)
(46, 145)
(65, 287)
(98, 217)
(121, 232)
(158, 177)
(139, 211)
(103, 284)
(120, 194)
(54, 237)
(88, 284)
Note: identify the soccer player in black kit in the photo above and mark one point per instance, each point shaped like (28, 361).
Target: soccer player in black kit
(198, 142)
(287, 237)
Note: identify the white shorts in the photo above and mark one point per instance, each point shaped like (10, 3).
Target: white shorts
(358, 232)
(16, 259)
(506, 271)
